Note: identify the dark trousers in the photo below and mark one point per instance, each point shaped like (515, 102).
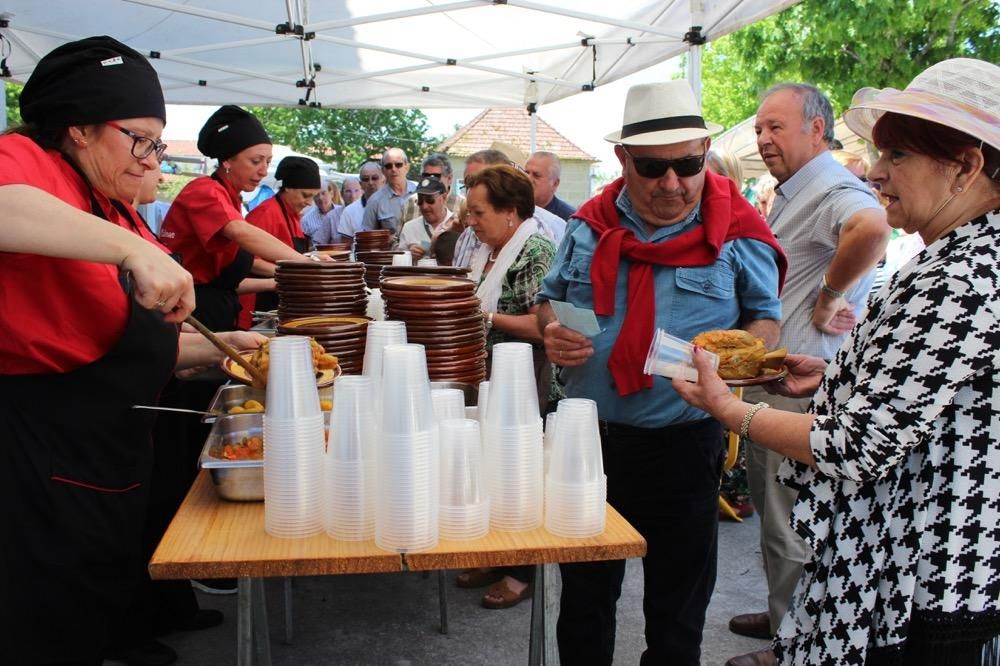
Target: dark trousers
(665, 483)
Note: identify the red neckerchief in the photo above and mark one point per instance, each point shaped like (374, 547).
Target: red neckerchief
(725, 216)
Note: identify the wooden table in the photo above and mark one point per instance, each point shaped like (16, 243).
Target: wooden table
(213, 538)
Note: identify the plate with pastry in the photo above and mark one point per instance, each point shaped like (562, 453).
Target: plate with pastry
(744, 359)
(326, 365)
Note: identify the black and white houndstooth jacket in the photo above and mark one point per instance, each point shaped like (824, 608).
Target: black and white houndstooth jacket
(903, 508)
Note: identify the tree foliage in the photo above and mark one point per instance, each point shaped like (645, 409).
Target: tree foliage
(841, 46)
(12, 95)
(348, 137)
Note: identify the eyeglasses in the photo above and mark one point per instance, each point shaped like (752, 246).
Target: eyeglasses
(369, 179)
(430, 175)
(652, 167)
(142, 146)
(393, 165)
(426, 198)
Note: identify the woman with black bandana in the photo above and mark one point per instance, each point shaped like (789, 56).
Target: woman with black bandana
(206, 226)
(76, 352)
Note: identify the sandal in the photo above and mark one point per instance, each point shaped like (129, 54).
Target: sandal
(500, 596)
(471, 578)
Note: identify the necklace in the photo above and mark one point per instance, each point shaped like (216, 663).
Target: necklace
(494, 254)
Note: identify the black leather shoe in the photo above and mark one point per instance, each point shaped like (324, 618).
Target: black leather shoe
(754, 625)
(153, 653)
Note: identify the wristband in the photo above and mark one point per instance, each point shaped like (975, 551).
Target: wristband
(828, 290)
(489, 320)
(748, 417)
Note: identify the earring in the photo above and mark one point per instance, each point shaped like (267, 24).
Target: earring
(227, 170)
(959, 189)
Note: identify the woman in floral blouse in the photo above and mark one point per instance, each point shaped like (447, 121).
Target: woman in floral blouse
(898, 463)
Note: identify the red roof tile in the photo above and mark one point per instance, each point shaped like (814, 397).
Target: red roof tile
(511, 126)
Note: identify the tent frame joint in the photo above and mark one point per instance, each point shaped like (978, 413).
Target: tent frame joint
(695, 36)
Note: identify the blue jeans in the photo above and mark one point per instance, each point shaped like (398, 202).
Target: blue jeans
(665, 482)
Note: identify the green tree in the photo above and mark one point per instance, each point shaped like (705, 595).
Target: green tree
(348, 137)
(843, 45)
(13, 97)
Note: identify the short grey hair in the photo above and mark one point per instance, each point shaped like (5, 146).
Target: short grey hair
(349, 179)
(438, 160)
(490, 157)
(556, 171)
(373, 164)
(814, 105)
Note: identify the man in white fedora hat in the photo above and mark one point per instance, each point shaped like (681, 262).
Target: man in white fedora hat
(668, 246)
(834, 231)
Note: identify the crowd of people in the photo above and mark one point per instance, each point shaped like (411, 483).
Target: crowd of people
(872, 464)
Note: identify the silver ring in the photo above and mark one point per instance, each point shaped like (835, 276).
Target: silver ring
(160, 304)
(560, 353)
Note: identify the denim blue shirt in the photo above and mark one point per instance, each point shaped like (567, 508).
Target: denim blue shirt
(741, 286)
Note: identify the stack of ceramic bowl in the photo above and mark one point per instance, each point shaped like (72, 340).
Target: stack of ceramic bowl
(444, 315)
(344, 337)
(333, 247)
(576, 488)
(349, 472)
(427, 271)
(464, 512)
(512, 440)
(314, 288)
(374, 261)
(376, 239)
(407, 461)
(293, 442)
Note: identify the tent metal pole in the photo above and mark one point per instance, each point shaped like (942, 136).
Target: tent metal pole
(534, 133)
(695, 38)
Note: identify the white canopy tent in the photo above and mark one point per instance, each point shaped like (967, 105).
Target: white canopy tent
(741, 141)
(382, 53)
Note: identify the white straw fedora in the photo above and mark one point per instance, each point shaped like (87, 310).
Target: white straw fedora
(660, 113)
(961, 93)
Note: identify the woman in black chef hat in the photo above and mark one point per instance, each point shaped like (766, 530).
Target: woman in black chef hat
(89, 307)
(206, 225)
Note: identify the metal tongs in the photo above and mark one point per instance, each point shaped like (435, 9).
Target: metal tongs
(257, 378)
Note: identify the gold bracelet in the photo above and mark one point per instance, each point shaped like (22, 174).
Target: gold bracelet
(745, 425)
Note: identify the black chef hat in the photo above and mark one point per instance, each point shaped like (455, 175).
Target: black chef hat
(91, 81)
(229, 131)
(298, 173)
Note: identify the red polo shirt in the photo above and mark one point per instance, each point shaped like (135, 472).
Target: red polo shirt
(57, 314)
(194, 223)
(278, 219)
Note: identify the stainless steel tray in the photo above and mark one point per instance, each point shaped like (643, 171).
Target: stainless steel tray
(231, 395)
(236, 480)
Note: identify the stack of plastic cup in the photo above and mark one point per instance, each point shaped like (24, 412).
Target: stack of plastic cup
(407, 462)
(380, 334)
(293, 442)
(349, 470)
(427, 261)
(465, 506)
(376, 305)
(448, 404)
(402, 259)
(576, 488)
(512, 440)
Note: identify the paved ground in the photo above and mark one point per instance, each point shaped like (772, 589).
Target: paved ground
(392, 619)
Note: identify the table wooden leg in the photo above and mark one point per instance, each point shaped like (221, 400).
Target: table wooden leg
(443, 600)
(244, 623)
(261, 634)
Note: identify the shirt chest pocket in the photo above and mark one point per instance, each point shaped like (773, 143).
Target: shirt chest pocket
(714, 282)
(576, 273)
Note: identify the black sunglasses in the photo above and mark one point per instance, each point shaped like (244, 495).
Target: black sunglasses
(426, 198)
(391, 165)
(142, 146)
(369, 179)
(653, 167)
(430, 175)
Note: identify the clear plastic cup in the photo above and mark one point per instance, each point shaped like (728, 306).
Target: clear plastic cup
(461, 463)
(669, 356)
(406, 392)
(448, 404)
(380, 334)
(291, 380)
(351, 431)
(483, 402)
(427, 261)
(402, 259)
(576, 446)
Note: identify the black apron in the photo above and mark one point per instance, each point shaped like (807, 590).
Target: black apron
(74, 472)
(268, 300)
(217, 305)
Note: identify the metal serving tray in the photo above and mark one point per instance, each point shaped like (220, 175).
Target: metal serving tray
(231, 395)
(236, 480)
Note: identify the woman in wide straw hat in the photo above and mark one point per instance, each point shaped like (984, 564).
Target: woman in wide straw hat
(897, 464)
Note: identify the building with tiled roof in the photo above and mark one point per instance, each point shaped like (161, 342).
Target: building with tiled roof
(513, 127)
